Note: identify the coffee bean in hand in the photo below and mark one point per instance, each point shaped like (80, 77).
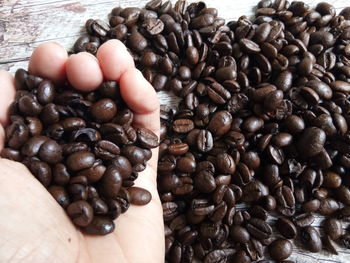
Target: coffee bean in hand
(74, 142)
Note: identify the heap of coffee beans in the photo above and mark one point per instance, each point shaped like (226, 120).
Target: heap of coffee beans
(81, 147)
(263, 121)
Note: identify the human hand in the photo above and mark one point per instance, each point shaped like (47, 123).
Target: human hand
(33, 226)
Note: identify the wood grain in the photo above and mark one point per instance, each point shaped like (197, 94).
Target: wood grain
(24, 24)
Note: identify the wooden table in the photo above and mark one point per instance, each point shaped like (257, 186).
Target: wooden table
(25, 24)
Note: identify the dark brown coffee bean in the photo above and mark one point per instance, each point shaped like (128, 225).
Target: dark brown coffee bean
(60, 195)
(45, 92)
(202, 21)
(153, 26)
(50, 152)
(220, 123)
(311, 141)
(253, 124)
(106, 150)
(215, 256)
(81, 213)
(29, 105)
(249, 46)
(99, 226)
(16, 134)
(139, 196)
(239, 234)
(258, 228)
(280, 249)
(286, 228)
(304, 220)
(217, 93)
(340, 86)
(204, 141)
(333, 228)
(226, 164)
(328, 206)
(104, 110)
(60, 174)
(111, 182)
(42, 172)
(311, 239)
(205, 182)
(93, 174)
(80, 160)
(183, 125)
(146, 138)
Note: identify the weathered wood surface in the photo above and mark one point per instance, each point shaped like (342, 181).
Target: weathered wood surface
(24, 24)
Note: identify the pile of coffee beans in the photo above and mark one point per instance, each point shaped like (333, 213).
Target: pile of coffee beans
(81, 147)
(263, 122)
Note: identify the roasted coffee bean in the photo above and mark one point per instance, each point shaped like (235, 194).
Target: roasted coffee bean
(249, 46)
(60, 195)
(99, 226)
(104, 110)
(183, 125)
(280, 249)
(111, 182)
(304, 220)
(311, 239)
(29, 106)
(226, 164)
(80, 160)
(146, 138)
(81, 213)
(106, 150)
(50, 152)
(220, 123)
(216, 256)
(205, 182)
(204, 141)
(258, 228)
(239, 234)
(139, 196)
(333, 228)
(42, 172)
(311, 141)
(286, 228)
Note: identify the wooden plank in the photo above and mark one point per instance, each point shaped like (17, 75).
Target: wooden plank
(24, 24)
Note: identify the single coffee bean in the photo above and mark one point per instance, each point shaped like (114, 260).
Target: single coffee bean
(147, 138)
(111, 182)
(239, 234)
(280, 249)
(311, 141)
(333, 228)
(50, 152)
(81, 213)
(311, 239)
(286, 228)
(60, 195)
(99, 226)
(139, 196)
(80, 160)
(104, 110)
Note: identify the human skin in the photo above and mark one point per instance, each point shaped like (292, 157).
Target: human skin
(33, 227)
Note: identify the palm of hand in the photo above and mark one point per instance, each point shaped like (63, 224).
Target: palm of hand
(34, 228)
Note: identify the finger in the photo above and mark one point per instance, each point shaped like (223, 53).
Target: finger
(84, 72)
(2, 137)
(7, 95)
(49, 61)
(114, 59)
(141, 98)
